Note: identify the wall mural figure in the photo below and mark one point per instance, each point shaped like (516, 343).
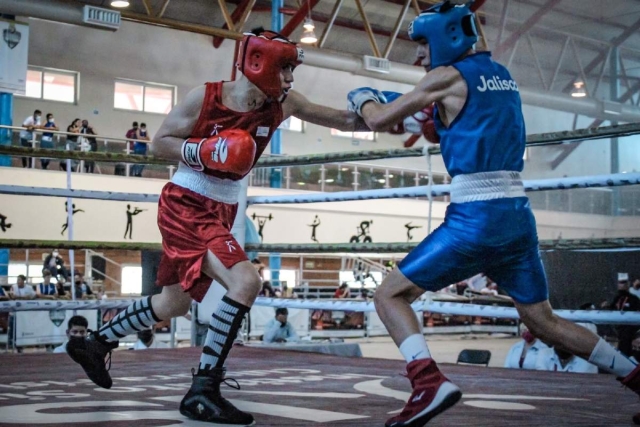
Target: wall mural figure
(3, 223)
(73, 212)
(261, 220)
(410, 227)
(130, 215)
(314, 225)
(362, 233)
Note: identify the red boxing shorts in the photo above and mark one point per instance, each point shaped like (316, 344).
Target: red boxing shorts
(191, 225)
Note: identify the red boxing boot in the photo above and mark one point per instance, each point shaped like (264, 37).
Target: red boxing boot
(432, 394)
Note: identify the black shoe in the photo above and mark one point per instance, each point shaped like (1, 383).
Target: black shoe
(90, 353)
(203, 402)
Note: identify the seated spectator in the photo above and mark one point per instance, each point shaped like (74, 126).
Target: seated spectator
(279, 329)
(55, 264)
(46, 289)
(3, 295)
(556, 360)
(61, 293)
(635, 289)
(342, 292)
(524, 354)
(147, 339)
(267, 290)
(21, 290)
(77, 327)
(81, 289)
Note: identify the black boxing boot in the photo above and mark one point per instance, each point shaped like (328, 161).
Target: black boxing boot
(204, 402)
(90, 352)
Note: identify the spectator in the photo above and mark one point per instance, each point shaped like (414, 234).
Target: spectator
(3, 295)
(635, 289)
(524, 354)
(147, 339)
(343, 291)
(267, 290)
(625, 301)
(61, 293)
(72, 143)
(77, 327)
(140, 148)
(279, 329)
(21, 290)
(46, 289)
(47, 138)
(555, 359)
(81, 289)
(26, 136)
(88, 144)
(55, 264)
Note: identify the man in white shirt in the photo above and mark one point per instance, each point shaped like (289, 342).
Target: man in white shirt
(77, 327)
(21, 290)
(556, 360)
(147, 339)
(524, 354)
(26, 136)
(279, 329)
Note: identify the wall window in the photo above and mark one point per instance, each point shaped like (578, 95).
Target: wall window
(141, 96)
(131, 280)
(369, 283)
(52, 85)
(293, 124)
(287, 277)
(366, 136)
(15, 269)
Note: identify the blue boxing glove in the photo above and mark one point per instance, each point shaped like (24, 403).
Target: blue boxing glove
(358, 97)
(391, 96)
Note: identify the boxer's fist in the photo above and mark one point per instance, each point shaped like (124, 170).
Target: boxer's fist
(358, 97)
(429, 126)
(231, 151)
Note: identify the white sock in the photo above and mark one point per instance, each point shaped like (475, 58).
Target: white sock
(414, 348)
(611, 360)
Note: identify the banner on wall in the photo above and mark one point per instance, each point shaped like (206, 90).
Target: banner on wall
(14, 51)
(47, 327)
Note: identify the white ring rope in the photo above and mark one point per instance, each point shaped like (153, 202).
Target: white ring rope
(613, 180)
(452, 308)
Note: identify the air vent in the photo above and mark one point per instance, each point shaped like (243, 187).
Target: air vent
(378, 65)
(101, 17)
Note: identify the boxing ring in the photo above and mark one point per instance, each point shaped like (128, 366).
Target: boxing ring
(302, 389)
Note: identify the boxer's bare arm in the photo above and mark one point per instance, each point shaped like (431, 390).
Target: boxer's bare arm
(167, 143)
(299, 106)
(444, 85)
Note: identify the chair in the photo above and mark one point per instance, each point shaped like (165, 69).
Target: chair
(474, 357)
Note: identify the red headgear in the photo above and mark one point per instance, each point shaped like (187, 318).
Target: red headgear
(262, 57)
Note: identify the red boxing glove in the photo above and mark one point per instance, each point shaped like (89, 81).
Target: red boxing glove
(429, 127)
(420, 123)
(232, 151)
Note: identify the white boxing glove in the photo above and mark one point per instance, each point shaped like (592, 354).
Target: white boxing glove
(358, 97)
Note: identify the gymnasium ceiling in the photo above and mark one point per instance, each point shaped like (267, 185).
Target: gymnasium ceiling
(548, 44)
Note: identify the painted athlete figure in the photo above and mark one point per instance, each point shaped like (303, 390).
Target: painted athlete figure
(489, 225)
(217, 132)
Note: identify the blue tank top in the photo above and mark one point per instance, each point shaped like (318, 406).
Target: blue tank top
(488, 134)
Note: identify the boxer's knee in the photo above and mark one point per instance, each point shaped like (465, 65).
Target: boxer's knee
(171, 302)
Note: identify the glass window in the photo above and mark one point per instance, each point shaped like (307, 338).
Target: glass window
(293, 124)
(366, 136)
(52, 85)
(16, 269)
(141, 96)
(131, 280)
(287, 277)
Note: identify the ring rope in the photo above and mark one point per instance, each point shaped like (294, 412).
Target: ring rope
(545, 245)
(613, 180)
(452, 308)
(541, 139)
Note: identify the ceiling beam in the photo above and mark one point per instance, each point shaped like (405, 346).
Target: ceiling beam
(163, 9)
(524, 27)
(367, 28)
(238, 12)
(332, 18)
(396, 28)
(147, 7)
(225, 14)
(179, 25)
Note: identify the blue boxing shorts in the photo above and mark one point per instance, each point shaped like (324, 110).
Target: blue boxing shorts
(497, 237)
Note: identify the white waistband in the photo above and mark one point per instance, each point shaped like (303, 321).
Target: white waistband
(486, 186)
(222, 190)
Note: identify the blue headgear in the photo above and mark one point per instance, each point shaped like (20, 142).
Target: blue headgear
(448, 29)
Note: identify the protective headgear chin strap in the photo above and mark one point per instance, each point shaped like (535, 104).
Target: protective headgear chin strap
(262, 57)
(449, 30)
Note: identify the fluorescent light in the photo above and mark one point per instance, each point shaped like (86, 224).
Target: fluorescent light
(119, 3)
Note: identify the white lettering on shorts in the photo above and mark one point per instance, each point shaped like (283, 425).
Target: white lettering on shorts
(230, 245)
